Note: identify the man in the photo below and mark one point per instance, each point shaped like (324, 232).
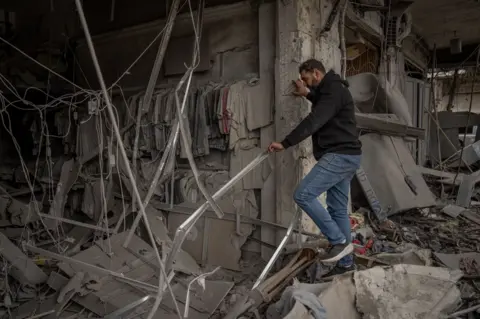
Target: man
(336, 147)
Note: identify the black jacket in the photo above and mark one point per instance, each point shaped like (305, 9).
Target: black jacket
(331, 123)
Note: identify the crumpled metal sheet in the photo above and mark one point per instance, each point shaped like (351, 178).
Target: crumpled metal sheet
(373, 93)
(387, 161)
(329, 294)
(406, 292)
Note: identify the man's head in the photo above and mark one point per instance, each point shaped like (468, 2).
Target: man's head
(312, 72)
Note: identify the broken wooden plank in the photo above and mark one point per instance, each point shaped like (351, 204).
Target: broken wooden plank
(474, 217)
(23, 268)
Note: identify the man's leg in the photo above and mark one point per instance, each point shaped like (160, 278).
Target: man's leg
(328, 172)
(337, 204)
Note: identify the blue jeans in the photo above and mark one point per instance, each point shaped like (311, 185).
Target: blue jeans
(332, 174)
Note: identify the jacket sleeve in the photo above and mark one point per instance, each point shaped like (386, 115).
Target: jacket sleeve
(311, 95)
(326, 107)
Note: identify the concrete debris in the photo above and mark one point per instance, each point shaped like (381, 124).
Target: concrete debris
(406, 291)
(104, 215)
(400, 291)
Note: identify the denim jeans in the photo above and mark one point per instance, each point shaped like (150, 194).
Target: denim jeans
(332, 174)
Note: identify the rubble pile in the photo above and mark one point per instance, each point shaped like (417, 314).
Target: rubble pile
(74, 243)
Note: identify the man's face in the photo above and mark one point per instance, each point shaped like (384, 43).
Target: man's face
(311, 78)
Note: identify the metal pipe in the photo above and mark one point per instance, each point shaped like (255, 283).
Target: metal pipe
(153, 79)
(161, 52)
(191, 160)
(173, 139)
(187, 225)
(278, 252)
(122, 152)
(43, 314)
(73, 222)
(169, 150)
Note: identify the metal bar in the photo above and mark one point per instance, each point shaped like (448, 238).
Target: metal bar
(169, 150)
(40, 315)
(153, 78)
(123, 153)
(188, 151)
(73, 222)
(278, 252)
(161, 52)
(173, 139)
(187, 225)
(178, 209)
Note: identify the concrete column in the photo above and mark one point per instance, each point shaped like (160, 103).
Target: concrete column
(298, 39)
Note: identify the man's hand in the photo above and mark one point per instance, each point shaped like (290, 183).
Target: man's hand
(275, 147)
(300, 88)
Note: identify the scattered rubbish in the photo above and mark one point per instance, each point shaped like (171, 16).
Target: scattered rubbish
(161, 202)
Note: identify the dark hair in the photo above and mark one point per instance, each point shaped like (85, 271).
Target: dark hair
(310, 65)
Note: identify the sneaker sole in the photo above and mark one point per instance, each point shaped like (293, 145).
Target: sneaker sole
(346, 251)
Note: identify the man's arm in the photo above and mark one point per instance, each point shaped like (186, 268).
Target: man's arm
(325, 108)
(310, 95)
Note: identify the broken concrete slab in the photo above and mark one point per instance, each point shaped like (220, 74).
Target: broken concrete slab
(22, 268)
(406, 291)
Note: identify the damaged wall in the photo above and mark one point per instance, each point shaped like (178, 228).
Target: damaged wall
(233, 48)
(461, 100)
(299, 37)
(230, 39)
